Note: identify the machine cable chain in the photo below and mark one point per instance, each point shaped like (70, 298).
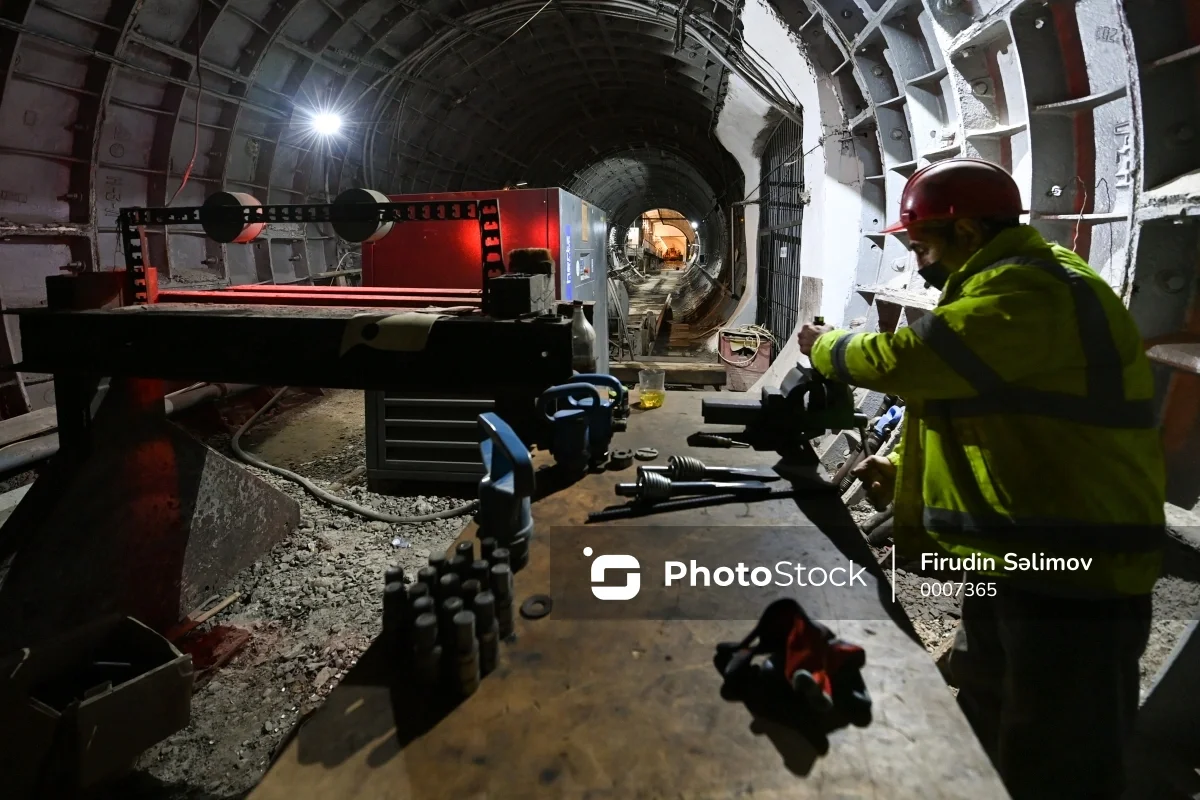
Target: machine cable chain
(488, 212)
(244, 217)
(135, 265)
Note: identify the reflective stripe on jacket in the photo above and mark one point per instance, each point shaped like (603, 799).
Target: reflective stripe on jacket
(1030, 426)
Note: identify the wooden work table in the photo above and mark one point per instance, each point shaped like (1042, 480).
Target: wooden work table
(632, 709)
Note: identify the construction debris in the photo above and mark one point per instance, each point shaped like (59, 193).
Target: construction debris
(305, 612)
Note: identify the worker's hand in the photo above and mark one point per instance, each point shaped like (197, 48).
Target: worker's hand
(878, 474)
(809, 334)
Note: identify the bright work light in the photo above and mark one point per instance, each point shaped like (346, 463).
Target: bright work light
(326, 124)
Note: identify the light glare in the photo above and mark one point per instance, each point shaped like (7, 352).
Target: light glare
(695, 226)
(326, 123)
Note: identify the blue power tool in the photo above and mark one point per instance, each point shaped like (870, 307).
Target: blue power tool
(505, 493)
(601, 426)
(572, 409)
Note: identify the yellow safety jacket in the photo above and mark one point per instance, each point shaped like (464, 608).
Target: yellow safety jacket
(1029, 430)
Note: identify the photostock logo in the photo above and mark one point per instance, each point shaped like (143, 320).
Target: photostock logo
(633, 579)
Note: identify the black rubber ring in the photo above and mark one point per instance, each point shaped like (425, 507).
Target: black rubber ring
(537, 606)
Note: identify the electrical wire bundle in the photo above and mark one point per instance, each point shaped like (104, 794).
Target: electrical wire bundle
(756, 332)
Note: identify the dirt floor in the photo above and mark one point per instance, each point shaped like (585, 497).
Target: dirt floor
(313, 605)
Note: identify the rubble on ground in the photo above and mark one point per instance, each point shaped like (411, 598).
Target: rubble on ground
(313, 605)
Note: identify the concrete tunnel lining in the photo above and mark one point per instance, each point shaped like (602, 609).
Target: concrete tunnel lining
(635, 105)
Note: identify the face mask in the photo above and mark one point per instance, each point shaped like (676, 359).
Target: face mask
(935, 275)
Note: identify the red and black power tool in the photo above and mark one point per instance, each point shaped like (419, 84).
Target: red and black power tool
(822, 671)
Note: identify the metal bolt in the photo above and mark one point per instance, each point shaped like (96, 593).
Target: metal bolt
(877, 71)
(847, 13)
(948, 6)
(1039, 23)
(897, 134)
(967, 52)
(933, 134)
(1055, 191)
(979, 87)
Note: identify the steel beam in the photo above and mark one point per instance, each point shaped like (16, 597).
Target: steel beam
(314, 298)
(292, 346)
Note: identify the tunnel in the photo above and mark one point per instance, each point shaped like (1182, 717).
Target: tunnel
(786, 131)
(764, 143)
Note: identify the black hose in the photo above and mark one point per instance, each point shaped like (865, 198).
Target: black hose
(327, 497)
(19, 457)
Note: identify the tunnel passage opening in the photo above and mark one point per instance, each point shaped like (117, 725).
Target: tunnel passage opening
(671, 282)
(665, 235)
(668, 243)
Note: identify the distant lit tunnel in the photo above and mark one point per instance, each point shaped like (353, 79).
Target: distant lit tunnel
(797, 124)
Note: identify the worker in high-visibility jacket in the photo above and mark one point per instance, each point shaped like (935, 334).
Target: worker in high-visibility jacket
(1030, 456)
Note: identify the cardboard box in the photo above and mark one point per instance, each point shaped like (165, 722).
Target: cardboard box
(84, 706)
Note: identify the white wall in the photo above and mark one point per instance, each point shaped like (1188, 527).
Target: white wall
(831, 233)
(742, 117)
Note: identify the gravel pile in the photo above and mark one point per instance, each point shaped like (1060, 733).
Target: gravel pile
(313, 605)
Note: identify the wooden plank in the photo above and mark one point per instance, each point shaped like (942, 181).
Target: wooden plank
(632, 708)
(26, 426)
(810, 302)
(14, 399)
(653, 296)
(679, 335)
(686, 374)
(10, 500)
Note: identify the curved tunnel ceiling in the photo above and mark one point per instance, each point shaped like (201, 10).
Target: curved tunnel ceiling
(617, 100)
(614, 99)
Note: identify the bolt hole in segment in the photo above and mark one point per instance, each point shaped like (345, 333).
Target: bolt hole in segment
(652, 385)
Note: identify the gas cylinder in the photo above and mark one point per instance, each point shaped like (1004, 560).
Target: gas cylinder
(583, 341)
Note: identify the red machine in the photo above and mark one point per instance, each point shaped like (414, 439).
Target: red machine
(422, 438)
(446, 255)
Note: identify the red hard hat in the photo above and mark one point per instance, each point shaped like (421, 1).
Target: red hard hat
(958, 188)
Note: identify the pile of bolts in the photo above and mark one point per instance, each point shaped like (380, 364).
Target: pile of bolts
(448, 623)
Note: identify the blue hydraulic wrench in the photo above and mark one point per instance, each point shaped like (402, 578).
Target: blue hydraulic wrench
(505, 492)
(602, 425)
(572, 409)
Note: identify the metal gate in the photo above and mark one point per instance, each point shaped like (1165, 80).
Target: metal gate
(781, 207)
